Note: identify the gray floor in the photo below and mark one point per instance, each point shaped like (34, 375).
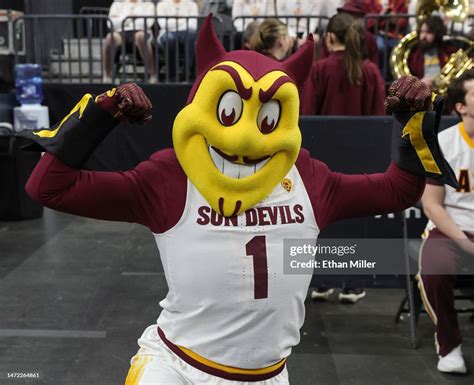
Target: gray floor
(76, 293)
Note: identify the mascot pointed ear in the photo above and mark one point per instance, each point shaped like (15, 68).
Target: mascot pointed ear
(299, 64)
(208, 47)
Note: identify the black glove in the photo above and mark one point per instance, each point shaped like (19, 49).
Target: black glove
(415, 146)
(76, 137)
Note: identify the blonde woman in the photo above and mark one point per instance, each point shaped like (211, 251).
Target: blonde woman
(272, 39)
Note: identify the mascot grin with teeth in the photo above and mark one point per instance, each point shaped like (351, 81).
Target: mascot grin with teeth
(221, 202)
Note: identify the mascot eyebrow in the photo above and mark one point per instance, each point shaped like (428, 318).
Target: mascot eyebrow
(246, 93)
(265, 96)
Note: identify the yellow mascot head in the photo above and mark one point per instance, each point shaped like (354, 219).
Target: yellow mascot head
(238, 135)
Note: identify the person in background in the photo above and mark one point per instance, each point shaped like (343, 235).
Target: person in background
(253, 8)
(272, 39)
(132, 32)
(177, 34)
(327, 9)
(390, 29)
(215, 6)
(430, 53)
(343, 83)
(449, 235)
(249, 32)
(299, 8)
(358, 9)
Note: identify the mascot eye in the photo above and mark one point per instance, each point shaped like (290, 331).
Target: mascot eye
(230, 108)
(268, 116)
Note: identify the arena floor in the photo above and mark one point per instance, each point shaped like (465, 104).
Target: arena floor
(76, 293)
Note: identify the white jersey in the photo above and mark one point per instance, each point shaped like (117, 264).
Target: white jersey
(458, 150)
(217, 305)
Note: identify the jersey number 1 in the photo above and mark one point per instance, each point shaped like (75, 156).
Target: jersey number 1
(256, 248)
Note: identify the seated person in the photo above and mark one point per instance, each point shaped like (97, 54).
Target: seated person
(450, 231)
(300, 24)
(272, 39)
(430, 53)
(253, 8)
(133, 32)
(177, 34)
(343, 83)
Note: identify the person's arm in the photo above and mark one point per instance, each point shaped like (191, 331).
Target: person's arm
(433, 206)
(115, 196)
(337, 196)
(59, 182)
(415, 154)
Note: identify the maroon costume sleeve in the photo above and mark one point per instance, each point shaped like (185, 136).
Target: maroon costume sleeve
(152, 194)
(336, 196)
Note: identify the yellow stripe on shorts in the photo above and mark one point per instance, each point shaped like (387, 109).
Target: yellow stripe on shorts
(231, 369)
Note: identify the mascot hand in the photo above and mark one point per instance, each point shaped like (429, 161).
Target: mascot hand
(127, 103)
(408, 94)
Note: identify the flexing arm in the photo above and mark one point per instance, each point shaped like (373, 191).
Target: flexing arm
(336, 196)
(59, 183)
(117, 196)
(415, 153)
(364, 195)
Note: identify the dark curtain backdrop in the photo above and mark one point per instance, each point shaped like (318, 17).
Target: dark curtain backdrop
(78, 4)
(18, 5)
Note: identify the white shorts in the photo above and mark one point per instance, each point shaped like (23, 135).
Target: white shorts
(156, 364)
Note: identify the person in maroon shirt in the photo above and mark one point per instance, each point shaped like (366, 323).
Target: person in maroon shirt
(430, 53)
(343, 76)
(357, 9)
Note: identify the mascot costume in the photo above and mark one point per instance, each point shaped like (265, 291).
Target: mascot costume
(223, 199)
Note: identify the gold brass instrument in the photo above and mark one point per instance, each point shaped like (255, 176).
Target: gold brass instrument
(399, 55)
(458, 63)
(455, 10)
